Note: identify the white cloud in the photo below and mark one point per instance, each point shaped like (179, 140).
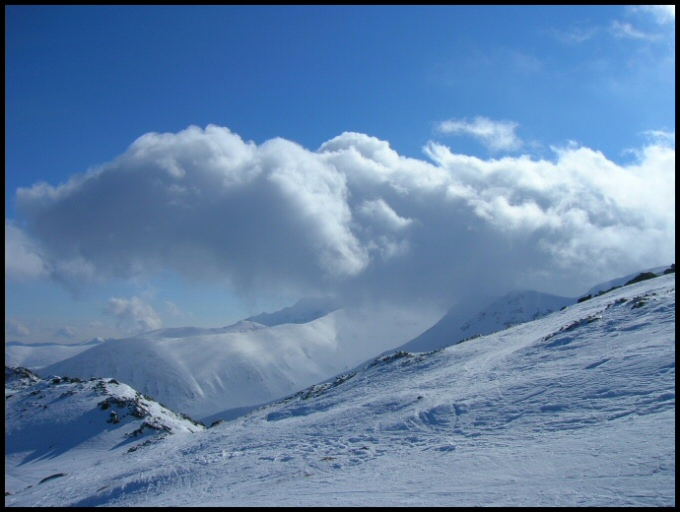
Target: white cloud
(495, 135)
(66, 332)
(575, 35)
(584, 207)
(133, 315)
(379, 211)
(658, 20)
(655, 20)
(16, 328)
(354, 217)
(623, 29)
(22, 259)
(661, 137)
(662, 13)
(173, 309)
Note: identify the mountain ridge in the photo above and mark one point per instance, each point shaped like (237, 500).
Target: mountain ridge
(511, 309)
(210, 371)
(573, 408)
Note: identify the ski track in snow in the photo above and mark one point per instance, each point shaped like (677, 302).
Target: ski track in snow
(574, 409)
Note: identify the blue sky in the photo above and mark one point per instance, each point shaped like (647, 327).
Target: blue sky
(547, 103)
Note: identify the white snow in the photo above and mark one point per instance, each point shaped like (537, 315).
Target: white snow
(576, 408)
(55, 419)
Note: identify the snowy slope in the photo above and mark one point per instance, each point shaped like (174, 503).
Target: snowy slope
(46, 419)
(39, 355)
(615, 283)
(576, 408)
(468, 319)
(205, 372)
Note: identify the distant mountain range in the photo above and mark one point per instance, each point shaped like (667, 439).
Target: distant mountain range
(303, 311)
(208, 373)
(224, 372)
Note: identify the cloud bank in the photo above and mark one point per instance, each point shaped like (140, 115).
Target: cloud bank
(16, 328)
(22, 261)
(133, 315)
(353, 217)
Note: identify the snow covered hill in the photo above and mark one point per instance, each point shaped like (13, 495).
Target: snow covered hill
(467, 320)
(46, 419)
(210, 373)
(576, 408)
(477, 317)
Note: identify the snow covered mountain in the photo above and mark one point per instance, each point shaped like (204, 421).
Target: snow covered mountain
(38, 355)
(466, 320)
(210, 373)
(576, 408)
(303, 311)
(46, 419)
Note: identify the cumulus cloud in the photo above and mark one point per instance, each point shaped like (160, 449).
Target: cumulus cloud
(22, 259)
(661, 137)
(16, 328)
(380, 212)
(354, 217)
(133, 315)
(495, 135)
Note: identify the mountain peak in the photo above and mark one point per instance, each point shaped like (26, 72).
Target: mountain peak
(470, 319)
(303, 311)
(47, 417)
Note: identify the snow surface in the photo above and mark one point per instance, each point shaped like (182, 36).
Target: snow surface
(55, 418)
(576, 408)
